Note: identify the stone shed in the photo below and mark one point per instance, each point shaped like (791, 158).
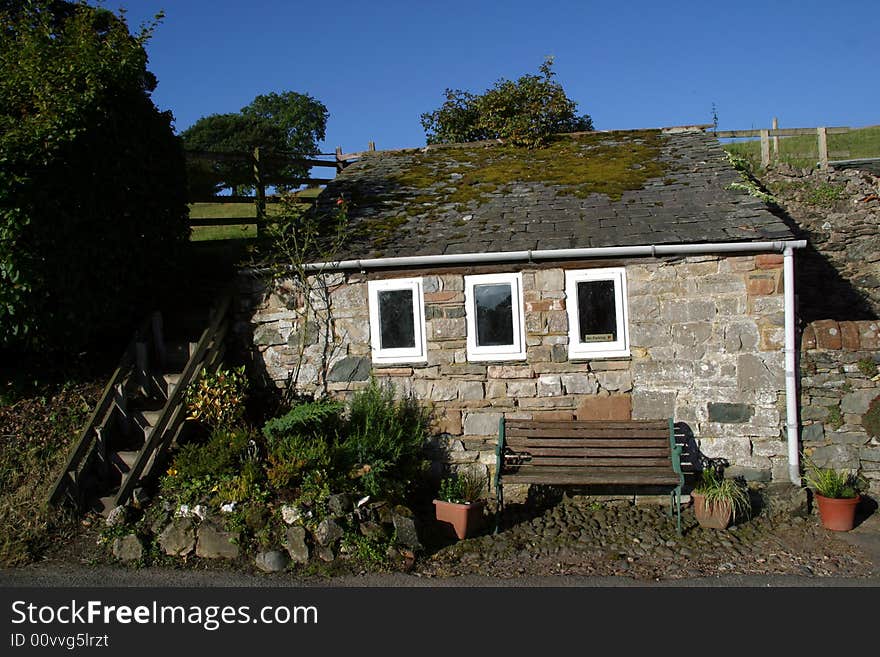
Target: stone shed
(609, 275)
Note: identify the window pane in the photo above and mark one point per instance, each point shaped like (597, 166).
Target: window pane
(596, 312)
(494, 314)
(396, 322)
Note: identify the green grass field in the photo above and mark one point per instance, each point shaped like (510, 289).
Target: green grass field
(225, 211)
(803, 151)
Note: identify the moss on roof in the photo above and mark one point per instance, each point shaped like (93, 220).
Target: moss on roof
(576, 165)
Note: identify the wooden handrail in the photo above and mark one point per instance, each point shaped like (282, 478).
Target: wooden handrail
(103, 409)
(208, 345)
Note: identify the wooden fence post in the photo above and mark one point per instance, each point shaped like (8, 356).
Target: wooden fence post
(822, 138)
(775, 140)
(765, 148)
(260, 194)
(340, 163)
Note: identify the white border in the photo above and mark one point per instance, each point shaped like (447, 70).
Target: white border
(515, 351)
(612, 349)
(417, 354)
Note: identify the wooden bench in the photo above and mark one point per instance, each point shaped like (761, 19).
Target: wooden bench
(631, 454)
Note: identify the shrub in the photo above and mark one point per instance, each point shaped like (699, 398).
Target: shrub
(92, 182)
(200, 469)
(217, 400)
(384, 443)
(301, 441)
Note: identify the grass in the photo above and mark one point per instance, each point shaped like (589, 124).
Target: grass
(802, 151)
(244, 211)
(36, 432)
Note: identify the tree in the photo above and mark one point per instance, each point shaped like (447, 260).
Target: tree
(524, 113)
(92, 196)
(289, 123)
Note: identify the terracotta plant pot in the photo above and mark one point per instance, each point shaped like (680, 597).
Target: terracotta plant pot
(464, 519)
(837, 514)
(715, 517)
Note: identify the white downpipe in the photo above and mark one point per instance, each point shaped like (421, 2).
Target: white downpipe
(791, 406)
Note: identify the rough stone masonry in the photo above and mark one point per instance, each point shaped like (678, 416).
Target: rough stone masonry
(706, 339)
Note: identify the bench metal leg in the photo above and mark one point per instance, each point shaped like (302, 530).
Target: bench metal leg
(499, 514)
(675, 503)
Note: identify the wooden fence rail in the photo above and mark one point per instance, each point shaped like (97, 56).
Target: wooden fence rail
(776, 132)
(262, 179)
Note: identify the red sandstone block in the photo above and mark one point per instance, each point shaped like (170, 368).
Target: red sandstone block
(761, 284)
(768, 261)
(615, 407)
(808, 338)
(849, 336)
(827, 334)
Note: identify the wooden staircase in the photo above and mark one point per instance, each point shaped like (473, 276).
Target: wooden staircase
(140, 414)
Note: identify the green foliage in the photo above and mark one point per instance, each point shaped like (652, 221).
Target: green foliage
(828, 482)
(384, 442)
(36, 433)
(463, 487)
(871, 419)
(834, 419)
(825, 194)
(91, 176)
(217, 400)
(289, 123)
(369, 552)
(720, 491)
(300, 443)
(523, 113)
(199, 470)
(868, 367)
(316, 418)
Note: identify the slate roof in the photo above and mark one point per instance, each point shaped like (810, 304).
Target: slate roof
(690, 202)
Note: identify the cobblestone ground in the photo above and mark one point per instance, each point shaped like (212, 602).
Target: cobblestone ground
(578, 538)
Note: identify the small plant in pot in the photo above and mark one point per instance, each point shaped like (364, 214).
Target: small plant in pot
(837, 493)
(718, 501)
(459, 504)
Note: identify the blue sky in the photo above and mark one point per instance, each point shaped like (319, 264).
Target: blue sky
(378, 65)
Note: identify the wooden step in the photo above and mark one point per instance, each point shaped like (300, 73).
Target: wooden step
(171, 381)
(127, 459)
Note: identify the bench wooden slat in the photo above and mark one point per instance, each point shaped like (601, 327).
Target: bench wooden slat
(591, 432)
(585, 452)
(634, 443)
(586, 424)
(629, 461)
(591, 476)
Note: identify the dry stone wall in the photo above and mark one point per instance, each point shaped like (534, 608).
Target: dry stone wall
(706, 337)
(839, 380)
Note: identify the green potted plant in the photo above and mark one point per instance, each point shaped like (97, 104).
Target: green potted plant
(837, 493)
(717, 500)
(459, 504)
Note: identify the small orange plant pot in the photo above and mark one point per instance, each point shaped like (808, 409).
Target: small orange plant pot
(465, 520)
(837, 514)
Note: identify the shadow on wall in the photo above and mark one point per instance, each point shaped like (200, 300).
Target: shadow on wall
(822, 293)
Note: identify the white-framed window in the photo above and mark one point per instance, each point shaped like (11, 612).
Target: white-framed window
(397, 320)
(598, 325)
(494, 311)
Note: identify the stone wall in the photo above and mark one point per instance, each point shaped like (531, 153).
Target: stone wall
(839, 379)
(706, 338)
(838, 212)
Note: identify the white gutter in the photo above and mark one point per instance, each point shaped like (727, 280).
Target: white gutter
(791, 406)
(785, 246)
(557, 254)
